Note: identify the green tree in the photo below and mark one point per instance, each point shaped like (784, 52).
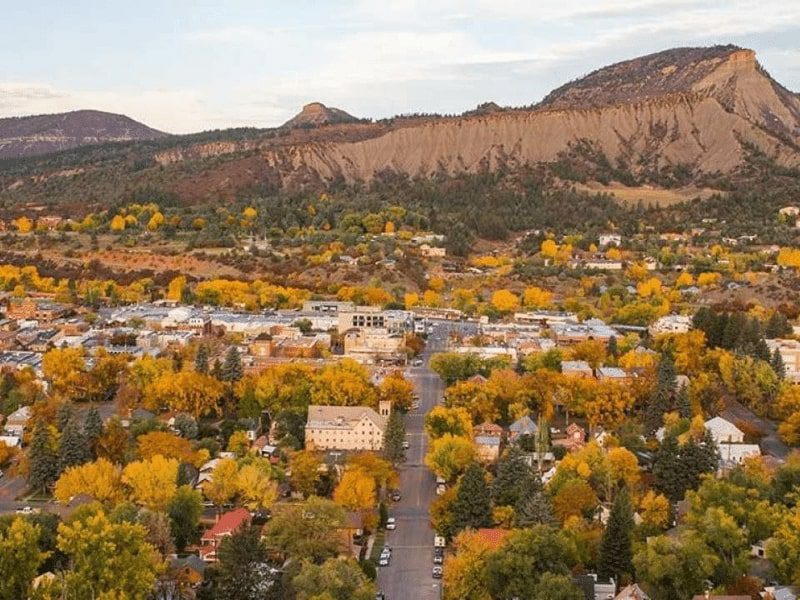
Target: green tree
(683, 403)
(307, 531)
(512, 474)
(201, 360)
(335, 579)
(93, 429)
(556, 587)
(515, 570)
(533, 506)
(784, 549)
(232, 370)
(393, 439)
(473, 504)
(20, 558)
(723, 535)
(184, 511)
(777, 364)
(242, 563)
(73, 447)
(660, 401)
(43, 459)
(616, 549)
(674, 569)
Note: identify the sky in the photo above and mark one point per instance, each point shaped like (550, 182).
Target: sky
(190, 65)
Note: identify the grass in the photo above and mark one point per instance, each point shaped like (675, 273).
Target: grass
(648, 195)
(377, 546)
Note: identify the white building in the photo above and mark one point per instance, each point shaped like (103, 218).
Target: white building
(723, 431)
(346, 427)
(610, 239)
(671, 324)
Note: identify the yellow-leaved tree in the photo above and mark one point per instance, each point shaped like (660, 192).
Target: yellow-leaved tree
(256, 487)
(536, 297)
(224, 483)
(99, 479)
(505, 301)
(153, 482)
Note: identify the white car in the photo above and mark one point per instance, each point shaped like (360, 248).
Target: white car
(441, 489)
(383, 561)
(391, 523)
(406, 445)
(25, 510)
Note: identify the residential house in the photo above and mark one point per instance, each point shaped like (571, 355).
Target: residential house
(781, 592)
(610, 239)
(595, 589)
(188, 571)
(790, 354)
(522, 426)
(346, 427)
(723, 430)
(429, 251)
(227, 524)
(671, 324)
(17, 421)
(487, 437)
(42, 311)
(264, 449)
(612, 373)
(574, 438)
(578, 368)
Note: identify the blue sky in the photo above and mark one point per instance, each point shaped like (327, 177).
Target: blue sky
(182, 66)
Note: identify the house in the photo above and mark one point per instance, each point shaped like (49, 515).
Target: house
(188, 571)
(716, 597)
(790, 211)
(575, 438)
(595, 589)
(632, 592)
(17, 421)
(12, 441)
(671, 324)
(487, 438)
(613, 373)
(263, 448)
(227, 524)
(790, 354)
(578, 368)
(42, 311)
(346, 427)
(609, 239)
(723, 430)
(781, 592)
(522, 426)
(758, 549)
(733, 454)
(429, 251)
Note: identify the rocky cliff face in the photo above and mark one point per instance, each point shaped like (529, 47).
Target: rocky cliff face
(693, 109)
(42, 134)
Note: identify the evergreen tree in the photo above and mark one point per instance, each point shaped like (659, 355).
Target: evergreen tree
(776, 362)
(662, 397)
(63, 415)
(613, 350)
(43, 459)
(73, 447)
(512, 472)
(777, 326)
(682, 402)
(242, 567)
(201, 360)
(393, 439)
(473, 505)
(216, 370)
(616, 550)
(533, 506)
(668, 469)
(92, 428)
(232, 370)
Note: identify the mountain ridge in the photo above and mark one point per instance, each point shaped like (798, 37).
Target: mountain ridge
(679, 116)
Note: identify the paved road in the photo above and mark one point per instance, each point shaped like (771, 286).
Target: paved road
(408, 576)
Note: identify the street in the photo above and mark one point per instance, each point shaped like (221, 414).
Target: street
(408, 576)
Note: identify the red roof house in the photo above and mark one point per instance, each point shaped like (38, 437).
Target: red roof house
(227, 524)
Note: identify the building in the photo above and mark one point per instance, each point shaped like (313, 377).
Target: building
(374, 344)
(612, 373)
(574, 438)
(328, 306)
(487, 438)
(671, 324)
(346, 427)
(17, 421)
(429, 251)
(579, 368)
(522, 426)
(723, 431)
(42, 311)
(228, 523)
(632, 592)
(610, 239)
(790, 354)
(731, 455)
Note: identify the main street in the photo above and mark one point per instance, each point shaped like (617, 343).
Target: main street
(408, 576)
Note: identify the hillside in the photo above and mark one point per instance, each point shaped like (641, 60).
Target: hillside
(675, 118)
(43, 134)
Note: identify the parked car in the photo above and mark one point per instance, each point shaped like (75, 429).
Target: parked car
(383, 561)
(417, 362)
(438, 556)
(391, 523)
(441, 489)
(396, 496)
(406, 445)
(26, 510)
(380, 596)
(437, 572)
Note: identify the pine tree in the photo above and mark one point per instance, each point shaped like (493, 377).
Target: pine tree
(43, 459)
(63, 415)
(93, 428)
(533, 506)
(201, 360)
(216, 370)
(393, 439)
(661, 400)
(473, 505)
(682, 402)
(242, 566)
(668, 469)
(512, 472)
(777, 364)
(612, 347)
(616, 551)
(232, 370)
(73, 447)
